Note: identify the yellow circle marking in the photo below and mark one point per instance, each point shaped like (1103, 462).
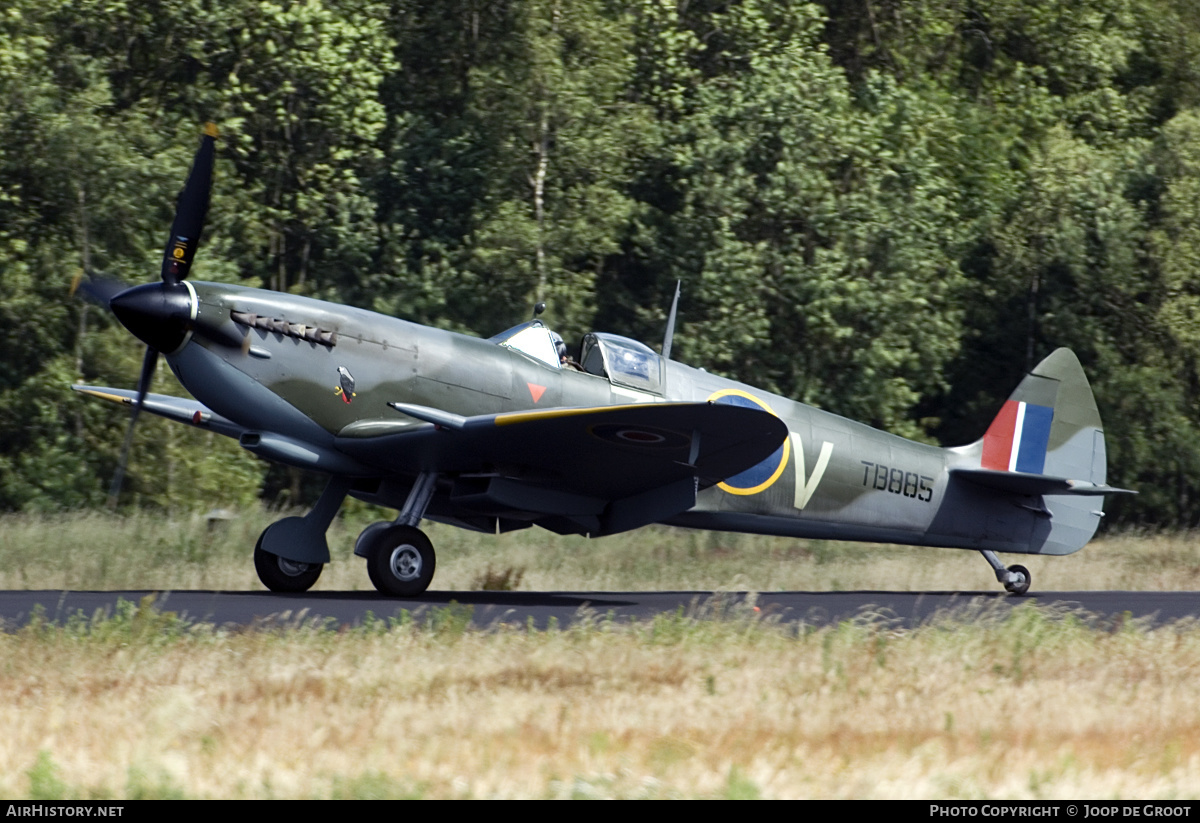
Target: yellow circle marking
(787, 445)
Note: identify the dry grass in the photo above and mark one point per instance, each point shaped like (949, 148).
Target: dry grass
(1036, 706)
(98, 551)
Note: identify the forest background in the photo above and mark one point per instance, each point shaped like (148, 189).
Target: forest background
(886, 208)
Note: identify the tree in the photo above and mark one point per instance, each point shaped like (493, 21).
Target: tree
(815, 233)
(79, 178)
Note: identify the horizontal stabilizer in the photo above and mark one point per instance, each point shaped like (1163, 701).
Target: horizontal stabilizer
(1030, 484)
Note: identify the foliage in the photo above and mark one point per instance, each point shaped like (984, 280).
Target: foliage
(887, 208)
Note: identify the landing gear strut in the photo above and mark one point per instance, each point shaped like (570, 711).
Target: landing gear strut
(1016, 579)
(400, 558)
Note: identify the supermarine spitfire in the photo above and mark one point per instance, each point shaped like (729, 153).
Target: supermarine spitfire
(508, 432)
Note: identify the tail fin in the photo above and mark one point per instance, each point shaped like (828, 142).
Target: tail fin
(1049, 425)
(1046, 447)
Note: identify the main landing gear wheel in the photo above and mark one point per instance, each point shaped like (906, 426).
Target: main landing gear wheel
(282, 575)
(400, 561)
(1019, 587)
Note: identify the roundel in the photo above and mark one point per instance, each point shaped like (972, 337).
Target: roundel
(641, 436)
(760, 477)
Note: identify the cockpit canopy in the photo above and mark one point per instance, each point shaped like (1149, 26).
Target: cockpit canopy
(623, 361)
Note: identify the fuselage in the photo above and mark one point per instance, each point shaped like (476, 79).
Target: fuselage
(316, 371)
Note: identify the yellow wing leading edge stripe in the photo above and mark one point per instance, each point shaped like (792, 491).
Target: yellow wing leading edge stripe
(111, 398)
(513, 418)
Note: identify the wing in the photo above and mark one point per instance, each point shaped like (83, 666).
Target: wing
(589, 470)
(573, 470)
(179, 409)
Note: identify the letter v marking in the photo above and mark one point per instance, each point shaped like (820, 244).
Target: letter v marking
(805, 488)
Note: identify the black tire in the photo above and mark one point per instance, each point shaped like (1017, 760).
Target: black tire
(401, 561)
(1022, 587)
(282, 575)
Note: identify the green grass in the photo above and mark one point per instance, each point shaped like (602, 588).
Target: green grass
(148, 551)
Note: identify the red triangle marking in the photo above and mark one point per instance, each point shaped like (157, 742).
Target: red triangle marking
(536, 391)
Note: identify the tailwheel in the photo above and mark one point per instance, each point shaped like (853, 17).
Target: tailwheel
(1019, 580)
(400, 561)
(282, 575)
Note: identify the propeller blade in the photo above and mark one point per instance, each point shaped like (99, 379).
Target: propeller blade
(149, 363)
(190, 211)
(97, 288)
(160, 314)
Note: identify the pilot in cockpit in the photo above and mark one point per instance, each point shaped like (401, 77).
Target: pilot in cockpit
(564, 358)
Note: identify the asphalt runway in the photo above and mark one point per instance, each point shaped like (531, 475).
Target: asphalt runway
(338, 609)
